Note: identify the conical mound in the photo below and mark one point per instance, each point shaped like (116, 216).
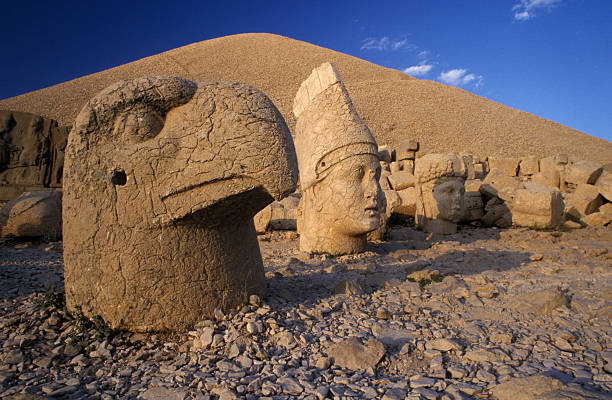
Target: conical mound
(395, 106)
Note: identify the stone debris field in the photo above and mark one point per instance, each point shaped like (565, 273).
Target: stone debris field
(483, 313)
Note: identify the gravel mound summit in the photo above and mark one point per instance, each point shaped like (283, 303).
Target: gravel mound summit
(394, 105)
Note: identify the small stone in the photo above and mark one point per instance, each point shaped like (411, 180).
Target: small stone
(72, 350)
(421, 382)
(219, 315)
(290, 386)
(442, 345)
(323, 363)
(206, 337)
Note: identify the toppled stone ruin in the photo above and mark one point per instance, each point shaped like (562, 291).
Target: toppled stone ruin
(162, 179)
(339, 167)
(31, 153)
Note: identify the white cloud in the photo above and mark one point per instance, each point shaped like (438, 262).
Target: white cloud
(386, 44)
(460, 77)
(526, 9)
(424, 54)
(418, 70)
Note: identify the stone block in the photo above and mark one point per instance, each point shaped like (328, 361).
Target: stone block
(497, 213)
(384, 154)
(529, 166)
(586, 199)
(606, 209)
(393, 201)
(597, 219)
(468, 165)
(473, 185)
(604, 185)
(407, 165)
(537, 206)
(384, 180)
(480, 170)
(407, 207)
(406, 150)
(401, 180)
(508, 165)
(549, 178)
(395, 166)
(582, 172)
(496, 181)
(474, 206)
(33, 215)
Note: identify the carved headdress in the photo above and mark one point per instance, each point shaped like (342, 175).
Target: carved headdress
(434, 166)
(328, 129)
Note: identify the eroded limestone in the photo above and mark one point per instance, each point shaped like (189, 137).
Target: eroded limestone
(162, 179)
(339, 167)
(440, 190)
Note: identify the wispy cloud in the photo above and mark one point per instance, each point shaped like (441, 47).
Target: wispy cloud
(460, 77)
(418, 70)
(526, 9)
(386, 44)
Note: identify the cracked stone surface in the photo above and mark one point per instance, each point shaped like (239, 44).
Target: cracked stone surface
(162, 179)
(339, 167)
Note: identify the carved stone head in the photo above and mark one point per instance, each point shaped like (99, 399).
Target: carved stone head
(161, 181)
(339, 167)
(440, 192)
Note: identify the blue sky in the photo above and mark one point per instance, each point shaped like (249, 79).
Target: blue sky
(552, 58)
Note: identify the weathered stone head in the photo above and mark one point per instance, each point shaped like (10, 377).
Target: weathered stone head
(339, 167)
(440, 187)
(162, 179)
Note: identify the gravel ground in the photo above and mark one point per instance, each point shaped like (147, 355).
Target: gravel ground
(484, 313)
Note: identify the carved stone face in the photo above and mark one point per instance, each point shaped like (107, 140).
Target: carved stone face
(348, 197)
(444, 199)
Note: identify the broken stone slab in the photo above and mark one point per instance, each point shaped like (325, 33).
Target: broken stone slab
(550, 179)
(384, 153)
(384, 180)
(541, 302)
(33, 215)
(31, 149)
(537, 206)
(199, 160)
(497, 213)
(496, 181)
(474, 206)
(392, 337)
(606, 209)
(529, 166)
(401, 180)
(352, 354)
(582, 172)
(604, 185)
(393, 202)
(508, 165)
(351, 287)
(407, 206)
(468, 166)
(406, 150)
(586, 199)
(597, 219)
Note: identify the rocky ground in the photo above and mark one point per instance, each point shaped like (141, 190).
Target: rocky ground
(484, 313)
